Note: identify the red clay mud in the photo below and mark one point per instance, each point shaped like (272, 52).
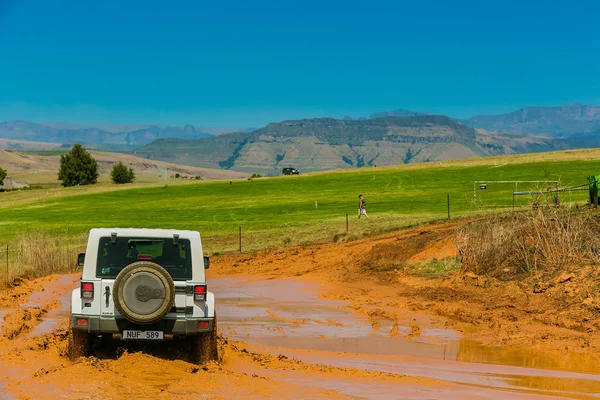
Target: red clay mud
(338, 321)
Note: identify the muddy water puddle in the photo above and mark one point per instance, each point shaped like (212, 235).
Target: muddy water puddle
(406, 390)
(57, 290)
(290, 315)
(502, 377)
(281, 308)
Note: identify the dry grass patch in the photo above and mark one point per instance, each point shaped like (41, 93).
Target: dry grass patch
(537, 241)
(41, 253)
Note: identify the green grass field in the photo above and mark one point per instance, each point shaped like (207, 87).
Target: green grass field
(58, 152)
(278, 211)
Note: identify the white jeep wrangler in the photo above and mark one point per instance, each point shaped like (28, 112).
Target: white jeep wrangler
(144, 284)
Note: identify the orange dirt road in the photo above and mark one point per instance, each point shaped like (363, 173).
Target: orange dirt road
(327, 321)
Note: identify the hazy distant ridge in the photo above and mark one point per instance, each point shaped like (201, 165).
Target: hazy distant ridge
(397, 113)
(564, 121)
(54, 133)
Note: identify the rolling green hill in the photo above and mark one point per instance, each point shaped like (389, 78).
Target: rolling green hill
(322, 144)
(274, 211)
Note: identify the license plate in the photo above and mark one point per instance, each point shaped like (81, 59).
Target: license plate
(142, 335)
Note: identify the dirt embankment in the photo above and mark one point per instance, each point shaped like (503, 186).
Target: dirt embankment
(404, 271)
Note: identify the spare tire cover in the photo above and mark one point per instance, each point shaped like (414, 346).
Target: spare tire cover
(143, 292)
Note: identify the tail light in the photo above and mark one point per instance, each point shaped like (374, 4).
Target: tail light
(200, 292)
(203, 325)
(87, 290)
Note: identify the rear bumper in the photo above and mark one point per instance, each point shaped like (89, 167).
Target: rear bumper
(179, 326)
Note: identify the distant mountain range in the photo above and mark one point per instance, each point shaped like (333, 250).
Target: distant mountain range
(63, 133)
(390, 137)
(397, 113)
(324, 143)
(565, 121)
(560, 122)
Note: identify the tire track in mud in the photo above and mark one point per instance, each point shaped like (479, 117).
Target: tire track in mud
(19, 290)
(40, 365)
(21, 321)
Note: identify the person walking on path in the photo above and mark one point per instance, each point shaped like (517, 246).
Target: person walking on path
(361, 206)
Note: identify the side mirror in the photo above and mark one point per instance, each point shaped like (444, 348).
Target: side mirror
(206, 262)
(81, 259)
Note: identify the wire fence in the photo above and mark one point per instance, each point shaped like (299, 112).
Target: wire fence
(39, 253)
(9, 256)
(41, 256)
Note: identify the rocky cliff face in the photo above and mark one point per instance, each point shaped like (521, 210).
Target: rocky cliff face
(325, 143)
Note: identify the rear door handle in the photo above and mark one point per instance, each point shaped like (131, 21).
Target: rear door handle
(107, 294)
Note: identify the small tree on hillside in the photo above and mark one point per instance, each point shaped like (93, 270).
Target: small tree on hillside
(120, 174)
(2, 176)
(78, 167)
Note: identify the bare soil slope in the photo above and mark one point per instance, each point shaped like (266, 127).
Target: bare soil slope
(16, 162)
(9, 144)
(555, 312)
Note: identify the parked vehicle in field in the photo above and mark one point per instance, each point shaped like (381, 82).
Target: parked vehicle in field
(290, 171)
(144, 284)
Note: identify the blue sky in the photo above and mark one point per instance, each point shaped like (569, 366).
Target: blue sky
(247, 63)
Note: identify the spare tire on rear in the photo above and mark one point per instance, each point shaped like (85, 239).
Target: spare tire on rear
(143, 292)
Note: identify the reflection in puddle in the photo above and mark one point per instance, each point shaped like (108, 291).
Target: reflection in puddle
(495, 377)
(282, 308)
(471, 351)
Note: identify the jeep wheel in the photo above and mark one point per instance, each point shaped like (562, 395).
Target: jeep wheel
(143, 292)
(205, 346)
(80, 344)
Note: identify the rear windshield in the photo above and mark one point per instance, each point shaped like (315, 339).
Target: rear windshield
(175, 258)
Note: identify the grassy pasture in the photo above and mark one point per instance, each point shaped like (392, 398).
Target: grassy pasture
(280, 211)
(57, 152)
